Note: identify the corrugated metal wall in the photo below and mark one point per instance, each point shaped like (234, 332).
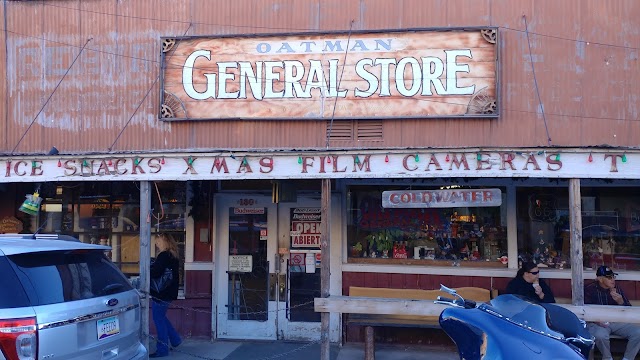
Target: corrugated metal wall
(585, 54)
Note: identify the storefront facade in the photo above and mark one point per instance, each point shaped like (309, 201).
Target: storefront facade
(444, 167)
(252, 265)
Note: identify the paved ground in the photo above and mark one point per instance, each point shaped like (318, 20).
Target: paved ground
(192, 349)
(271, 350)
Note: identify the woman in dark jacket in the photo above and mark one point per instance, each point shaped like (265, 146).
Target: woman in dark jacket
(527, 283)
(167, 258)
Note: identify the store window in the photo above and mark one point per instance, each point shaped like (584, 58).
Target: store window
(610, 227)
(452, 225)
(543, 226)
(108, 213)
(168, 213)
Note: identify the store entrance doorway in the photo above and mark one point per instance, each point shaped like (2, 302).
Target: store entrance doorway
(268, 268)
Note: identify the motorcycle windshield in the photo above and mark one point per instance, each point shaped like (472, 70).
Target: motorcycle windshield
(521, 311)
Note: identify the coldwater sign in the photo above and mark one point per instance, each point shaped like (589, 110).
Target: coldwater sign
(418, 73)
(441, 198)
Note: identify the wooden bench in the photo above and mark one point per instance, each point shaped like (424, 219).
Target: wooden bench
(347, 305)
(370, 321)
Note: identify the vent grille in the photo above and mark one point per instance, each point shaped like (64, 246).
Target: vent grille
(361, 130)
(369, 129)
(340, 130)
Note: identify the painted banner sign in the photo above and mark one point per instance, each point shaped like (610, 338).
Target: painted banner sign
(338, 165)
(305, 228)
(404, 74)
(448, 198)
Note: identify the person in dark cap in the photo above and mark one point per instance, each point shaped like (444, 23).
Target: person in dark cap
(527, 283)
(604, 291)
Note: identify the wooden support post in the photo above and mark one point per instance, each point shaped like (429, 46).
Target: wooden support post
(369, 344)
(577, 273)
(512, 229)
(325, 269)
(145, 256)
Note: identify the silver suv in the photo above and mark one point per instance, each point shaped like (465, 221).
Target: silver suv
(62, 299)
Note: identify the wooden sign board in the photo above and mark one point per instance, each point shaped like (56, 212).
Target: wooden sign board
(10, 225)
(400, 74)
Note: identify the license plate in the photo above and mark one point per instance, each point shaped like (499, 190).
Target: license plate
(108, 327)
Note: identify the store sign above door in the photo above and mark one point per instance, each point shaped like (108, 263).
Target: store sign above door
(450, 198)
(372, 75)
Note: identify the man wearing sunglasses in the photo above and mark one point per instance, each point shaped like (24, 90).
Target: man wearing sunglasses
(604, 291)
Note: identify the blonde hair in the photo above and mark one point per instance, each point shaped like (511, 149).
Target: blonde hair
(167, 242)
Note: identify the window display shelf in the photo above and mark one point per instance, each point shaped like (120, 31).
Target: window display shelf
(425, 262)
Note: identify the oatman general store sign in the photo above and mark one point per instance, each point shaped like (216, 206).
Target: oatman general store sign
(402, 74)
(309, 165)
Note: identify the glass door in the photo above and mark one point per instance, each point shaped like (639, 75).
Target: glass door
(300, 232)
(246, 283)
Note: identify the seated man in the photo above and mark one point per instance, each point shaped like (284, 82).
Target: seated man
(604, 291)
